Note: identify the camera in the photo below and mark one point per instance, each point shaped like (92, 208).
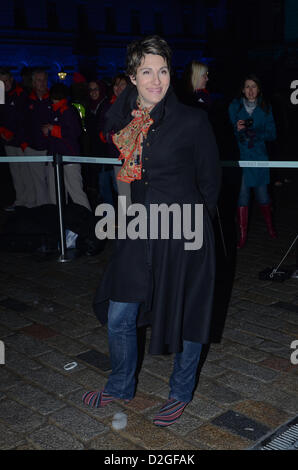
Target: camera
(248, 123)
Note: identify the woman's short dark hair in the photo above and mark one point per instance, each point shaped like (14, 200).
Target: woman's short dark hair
(137, 50)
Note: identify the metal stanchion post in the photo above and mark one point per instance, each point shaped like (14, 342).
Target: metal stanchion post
(295, 273)
(60, 198)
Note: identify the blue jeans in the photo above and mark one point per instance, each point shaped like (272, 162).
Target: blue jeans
(261, 193)
(122, 334)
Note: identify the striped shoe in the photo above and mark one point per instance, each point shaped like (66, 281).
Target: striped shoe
(97, 399)
(169, 412)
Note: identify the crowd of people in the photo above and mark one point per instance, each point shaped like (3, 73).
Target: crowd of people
(169, 156)
(37, 121)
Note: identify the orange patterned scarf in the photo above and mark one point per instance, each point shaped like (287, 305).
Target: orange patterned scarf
(129, 142)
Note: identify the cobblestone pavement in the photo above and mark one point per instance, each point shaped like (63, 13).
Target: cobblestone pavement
(247, 387)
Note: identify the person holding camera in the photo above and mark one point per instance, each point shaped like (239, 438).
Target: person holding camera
(254, 125)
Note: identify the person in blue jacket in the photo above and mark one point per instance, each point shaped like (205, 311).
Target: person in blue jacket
(254, 125)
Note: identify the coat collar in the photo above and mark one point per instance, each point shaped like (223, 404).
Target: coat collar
(119, 115)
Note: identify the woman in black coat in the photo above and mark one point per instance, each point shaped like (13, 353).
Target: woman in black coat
(170, 158)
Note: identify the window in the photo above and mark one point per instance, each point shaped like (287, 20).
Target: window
(82, 18)
(20, 19)
(135, 22)
(158, 22)
(52, 17)
(110, 20)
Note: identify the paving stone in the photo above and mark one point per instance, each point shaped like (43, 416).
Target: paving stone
(14, 304)
(19, 418)
(249, 354)
(259, 298)
(144, 433)
(77, 423)
(270, 347)
(36, 399)
(89, 379)
(53, 381)
(9, 439)
(112, 441)
(96, 359)
(213, 370)
(39, 331)
(66, 345)
(158, 368)
(4, 331)
(259, 319)
(217, 392)
(59, 360)
(147, 383)
(263, 412)
(142, 402)
(7, 379)
(47, 317)
(27, 345)
(13, 320)
(247, 368)
(20, 363)
(241, 425)
(247, 386)
(278, 363)
(203, 408)
(242, 338)
(52, 438)
(218, 438)
(266, 333)
(70, 329)
(287, 382)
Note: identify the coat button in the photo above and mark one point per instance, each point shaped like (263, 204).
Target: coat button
(148, 145)
(146, 183)
(143, 170)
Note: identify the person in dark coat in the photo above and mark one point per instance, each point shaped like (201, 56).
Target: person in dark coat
(170, 158)
(12, 135)
(194, 83)
(36, 115)
(62, 134)
(95, 118)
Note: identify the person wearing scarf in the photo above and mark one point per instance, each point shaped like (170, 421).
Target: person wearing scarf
(169, 157)
(254, 125)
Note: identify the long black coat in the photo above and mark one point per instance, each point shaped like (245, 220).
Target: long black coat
(175, 286)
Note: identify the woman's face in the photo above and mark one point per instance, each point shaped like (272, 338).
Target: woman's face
(202, 81)
(250, 90)
(93, 91)
(152, 80)
(119, 86)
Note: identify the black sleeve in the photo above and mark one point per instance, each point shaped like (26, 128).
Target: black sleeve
(207, 164)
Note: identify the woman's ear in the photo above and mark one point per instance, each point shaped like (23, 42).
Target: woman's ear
(133, 79)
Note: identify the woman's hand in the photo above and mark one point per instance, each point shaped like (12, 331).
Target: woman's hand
(240, 125)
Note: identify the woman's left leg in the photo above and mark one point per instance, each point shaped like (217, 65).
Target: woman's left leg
(264, 201)
(182, 383)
